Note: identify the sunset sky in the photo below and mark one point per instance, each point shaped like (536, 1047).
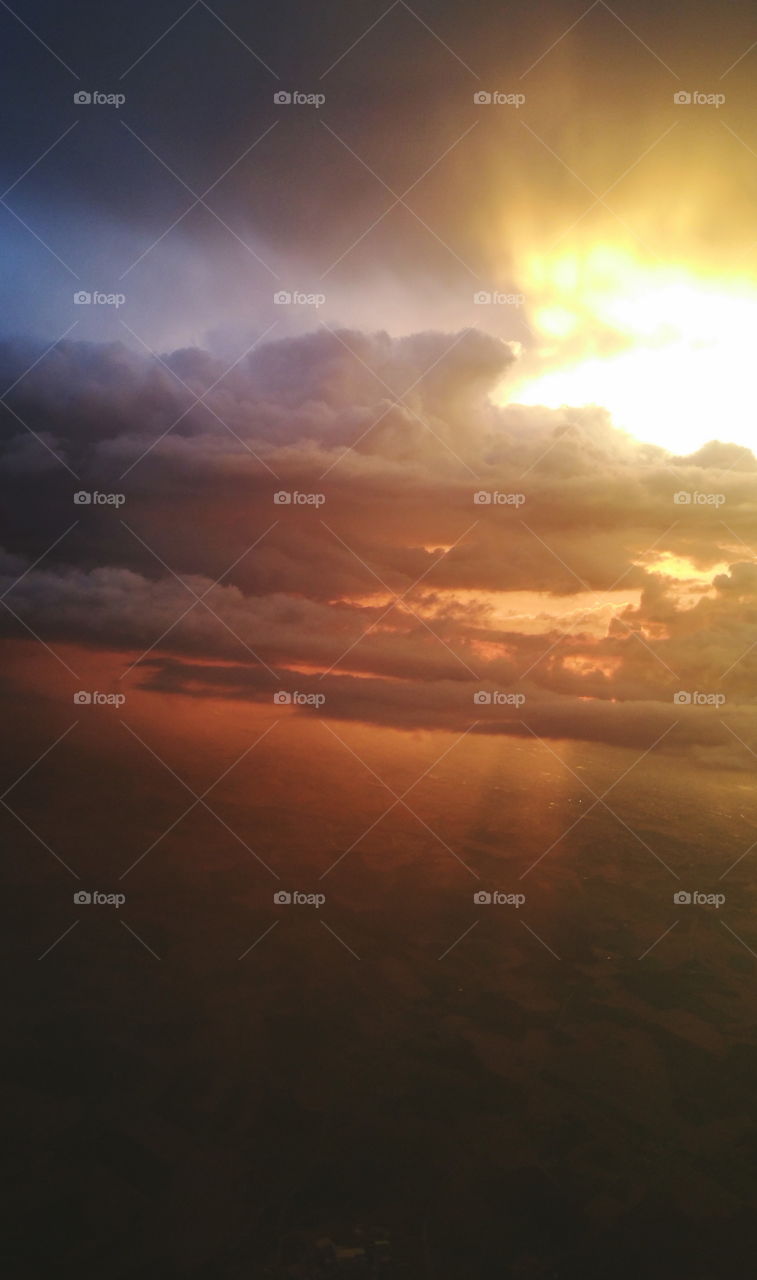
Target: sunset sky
(611, 224)
(378, 398)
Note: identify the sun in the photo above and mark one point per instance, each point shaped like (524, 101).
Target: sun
(669, 353)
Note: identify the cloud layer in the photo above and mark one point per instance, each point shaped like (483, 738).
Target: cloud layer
(434, 546)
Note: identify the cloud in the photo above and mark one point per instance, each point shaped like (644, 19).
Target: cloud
(578, 582)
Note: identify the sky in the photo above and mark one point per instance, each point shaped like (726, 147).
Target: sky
(547, 300)
(588, 200)
(377, 403)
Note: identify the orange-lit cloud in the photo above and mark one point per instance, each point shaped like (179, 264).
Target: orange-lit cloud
(596, 595)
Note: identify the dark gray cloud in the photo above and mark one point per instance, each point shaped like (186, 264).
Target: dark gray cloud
(597, 596)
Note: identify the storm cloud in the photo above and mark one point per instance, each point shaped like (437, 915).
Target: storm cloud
(354, 513)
